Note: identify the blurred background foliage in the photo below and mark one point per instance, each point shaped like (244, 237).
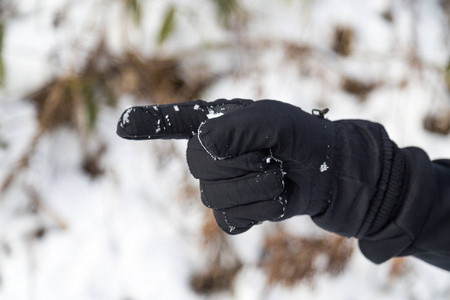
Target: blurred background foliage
(135, 9)
(102, 76)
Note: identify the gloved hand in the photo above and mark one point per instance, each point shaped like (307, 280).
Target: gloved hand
(268, 160)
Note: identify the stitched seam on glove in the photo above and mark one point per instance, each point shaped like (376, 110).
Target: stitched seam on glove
(231, 228)
(215, 157)
(203, 193)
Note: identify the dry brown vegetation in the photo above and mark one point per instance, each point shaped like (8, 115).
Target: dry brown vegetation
(357, 87)
(398, 267)
(438, 122)
(104, 79)
(75, 101)
(289, 260)
(215, 279)
(223, 264)
(343, 41)
(446, 6)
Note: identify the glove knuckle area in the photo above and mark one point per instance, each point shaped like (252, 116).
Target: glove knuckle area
(250, 188)
(239, 219)
(203, 166)
(251, 128)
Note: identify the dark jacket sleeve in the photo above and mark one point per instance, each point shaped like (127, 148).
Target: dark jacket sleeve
(395, 201)
(421, 225)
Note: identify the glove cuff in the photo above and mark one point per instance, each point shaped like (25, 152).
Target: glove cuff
(390, 189)
(367, 182)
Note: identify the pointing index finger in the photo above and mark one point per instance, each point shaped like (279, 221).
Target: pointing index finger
(172, 121)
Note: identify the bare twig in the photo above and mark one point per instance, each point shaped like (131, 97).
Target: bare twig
(43, 207)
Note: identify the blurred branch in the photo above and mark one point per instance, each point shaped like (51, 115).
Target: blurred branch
(23, 162)
(41, 206)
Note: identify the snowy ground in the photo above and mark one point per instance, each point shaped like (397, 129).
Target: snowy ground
(129, 234)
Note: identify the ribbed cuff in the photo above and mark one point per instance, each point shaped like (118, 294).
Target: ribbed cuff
(390, 189)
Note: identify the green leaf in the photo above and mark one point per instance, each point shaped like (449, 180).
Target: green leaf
(91, 109)
(226, 9)
(2, 66)
(86, 88)
(2, 31)
(2, 72)
(134, 6)
(167, 26)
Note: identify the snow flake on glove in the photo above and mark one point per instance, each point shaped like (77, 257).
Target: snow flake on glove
(324, 167)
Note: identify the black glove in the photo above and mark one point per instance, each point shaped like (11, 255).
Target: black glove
(268, 160)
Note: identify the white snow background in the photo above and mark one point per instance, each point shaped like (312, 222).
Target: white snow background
(129, 235)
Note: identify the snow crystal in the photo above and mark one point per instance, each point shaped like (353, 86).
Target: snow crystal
(158, 128)
(214, 115)
(126, 117)
(280, 200)
(176, 108)
(324, 167)
(155, 108)
(231, 228)
(268, 160)
(196, 107)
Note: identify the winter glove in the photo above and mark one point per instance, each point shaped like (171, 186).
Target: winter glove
(268, 160)
(247, 156)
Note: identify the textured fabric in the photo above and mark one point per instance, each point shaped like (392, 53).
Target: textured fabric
(178, 121)
(268, 160)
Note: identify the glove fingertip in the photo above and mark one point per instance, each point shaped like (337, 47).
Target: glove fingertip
(224, 223)
(125, 128)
